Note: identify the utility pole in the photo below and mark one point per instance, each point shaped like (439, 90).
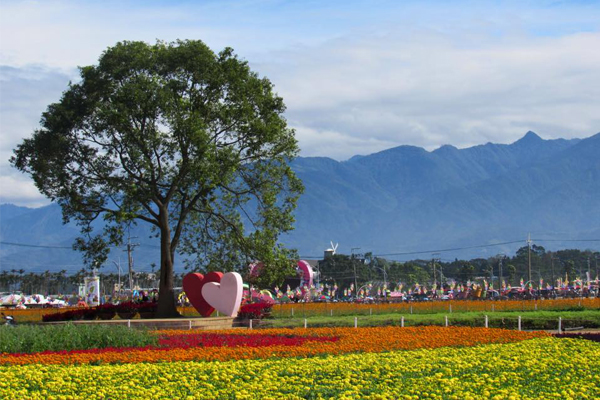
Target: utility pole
(385, 282)
(529, 256)
(433, 267)
(354, 266)
(434, 258)
(130, 247)
(500, 271)
(552, 267)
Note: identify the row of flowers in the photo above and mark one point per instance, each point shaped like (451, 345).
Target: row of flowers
(187, 341)
(320, 341)
(542, 368)
(285, 310)
(125, 310)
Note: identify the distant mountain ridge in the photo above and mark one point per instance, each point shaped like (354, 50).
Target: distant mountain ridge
(403, 199)
(409, 199)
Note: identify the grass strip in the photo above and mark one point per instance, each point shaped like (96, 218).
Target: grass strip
(533, 320)
(38, 338)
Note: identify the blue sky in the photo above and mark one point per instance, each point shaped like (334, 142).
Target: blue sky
(357, 76)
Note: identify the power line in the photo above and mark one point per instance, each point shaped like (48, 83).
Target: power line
(447, 250)
(565, 240)
(36, 245)
(319, 257)
(41, 246)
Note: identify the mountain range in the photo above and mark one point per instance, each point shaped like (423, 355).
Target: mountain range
(401, 200)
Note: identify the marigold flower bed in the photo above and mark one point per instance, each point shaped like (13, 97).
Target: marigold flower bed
(314, 309)
(235, 345)
(541, 368)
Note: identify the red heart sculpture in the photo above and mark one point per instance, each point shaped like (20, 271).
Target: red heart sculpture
(192, 286)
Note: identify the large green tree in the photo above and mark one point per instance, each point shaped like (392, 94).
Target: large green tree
(171, 134)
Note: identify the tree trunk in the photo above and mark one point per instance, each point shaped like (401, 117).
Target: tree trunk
(167, 307)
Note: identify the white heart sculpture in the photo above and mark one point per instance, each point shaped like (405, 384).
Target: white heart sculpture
(226, 296)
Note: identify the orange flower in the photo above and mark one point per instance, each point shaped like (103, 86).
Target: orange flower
(312, 309)
(371, 340)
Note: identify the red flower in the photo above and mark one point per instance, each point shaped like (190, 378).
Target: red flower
(254, 310)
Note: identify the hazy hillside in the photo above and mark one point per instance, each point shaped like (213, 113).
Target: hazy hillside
(43, 227)
(399, 200)
(419, 200)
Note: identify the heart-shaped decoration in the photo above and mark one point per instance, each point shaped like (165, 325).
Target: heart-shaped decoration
(225, 296)
(192, 286)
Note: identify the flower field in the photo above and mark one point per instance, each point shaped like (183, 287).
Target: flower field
(267, 343)
(543, 367)
(347, 363)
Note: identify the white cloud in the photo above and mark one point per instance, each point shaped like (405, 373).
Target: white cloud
(433, 90)
(19, 190)
(337, 145)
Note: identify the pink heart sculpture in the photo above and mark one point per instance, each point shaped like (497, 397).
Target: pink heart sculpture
(225, 296)
(192, 286)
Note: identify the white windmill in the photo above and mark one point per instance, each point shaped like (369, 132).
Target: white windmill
(331, 251)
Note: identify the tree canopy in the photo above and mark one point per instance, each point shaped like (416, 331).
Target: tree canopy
(171, 134)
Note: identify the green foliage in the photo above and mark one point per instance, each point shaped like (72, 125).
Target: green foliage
(35, 338)
(340, 269)
(467, 272)
(409, 273)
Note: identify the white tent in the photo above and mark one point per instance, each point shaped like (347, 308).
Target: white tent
(11, 300)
